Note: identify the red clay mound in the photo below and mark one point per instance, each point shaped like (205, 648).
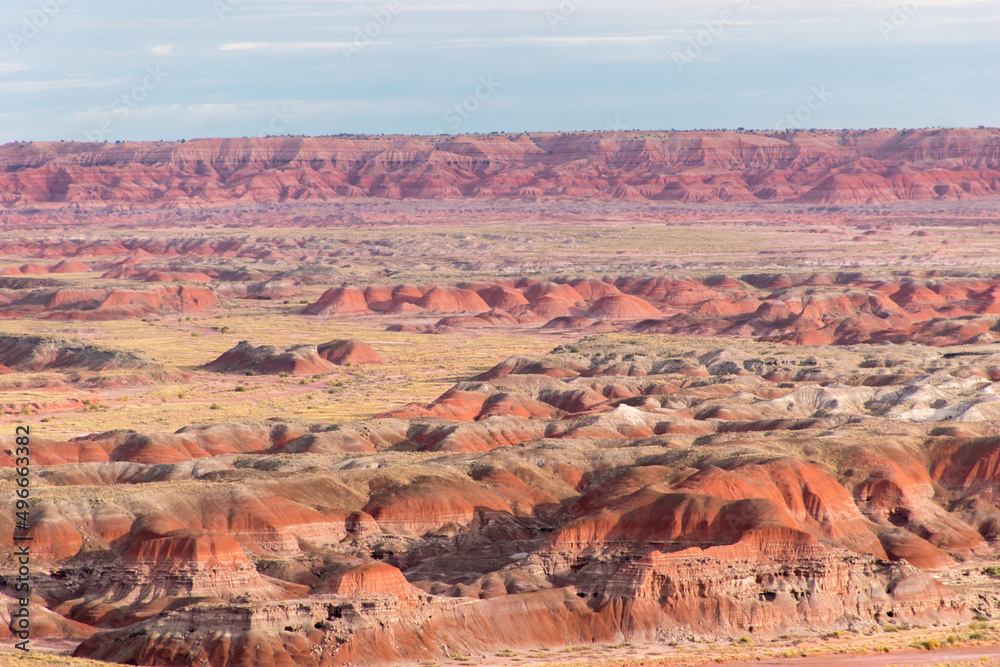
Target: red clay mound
(592, 289)
(33, 270)
(270, 360)
(621, 307)
(552, 292)
(428, 503)
(339, 301)
(70, 266)
(350, 352)
(379, 297)
(502, 297)
(407, 294)
(189, 546)
(368, 578)
(452, 300)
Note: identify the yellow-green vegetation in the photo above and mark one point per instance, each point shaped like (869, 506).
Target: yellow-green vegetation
(421, 368)
(38, 659)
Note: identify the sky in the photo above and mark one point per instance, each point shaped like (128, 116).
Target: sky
(108, 70)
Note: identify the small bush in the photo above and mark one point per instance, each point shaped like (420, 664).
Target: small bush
(240, 387)
(215, 406)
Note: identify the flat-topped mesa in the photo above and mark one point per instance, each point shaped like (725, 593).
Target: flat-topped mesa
(846, 167)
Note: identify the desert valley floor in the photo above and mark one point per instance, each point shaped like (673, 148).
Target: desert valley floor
(586, 399)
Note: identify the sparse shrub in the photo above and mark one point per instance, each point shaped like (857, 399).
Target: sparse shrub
(181, 394)
(215, 406)
(240, 387)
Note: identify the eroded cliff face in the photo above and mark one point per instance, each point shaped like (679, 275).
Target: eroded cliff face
(605, 493)
(816, 167)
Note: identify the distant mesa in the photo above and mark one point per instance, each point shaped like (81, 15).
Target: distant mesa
(303, 359)
(819, 168)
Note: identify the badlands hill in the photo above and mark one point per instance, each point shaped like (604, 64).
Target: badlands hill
(815, 167)
(598, 493)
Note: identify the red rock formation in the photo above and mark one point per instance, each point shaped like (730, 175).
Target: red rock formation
(270, 360)
(369, 578)
(350, 352)
(452, 300)
(621, 307)
(339, 301)
(69, 266)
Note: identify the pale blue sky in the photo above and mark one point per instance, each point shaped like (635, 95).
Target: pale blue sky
(128, 69)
